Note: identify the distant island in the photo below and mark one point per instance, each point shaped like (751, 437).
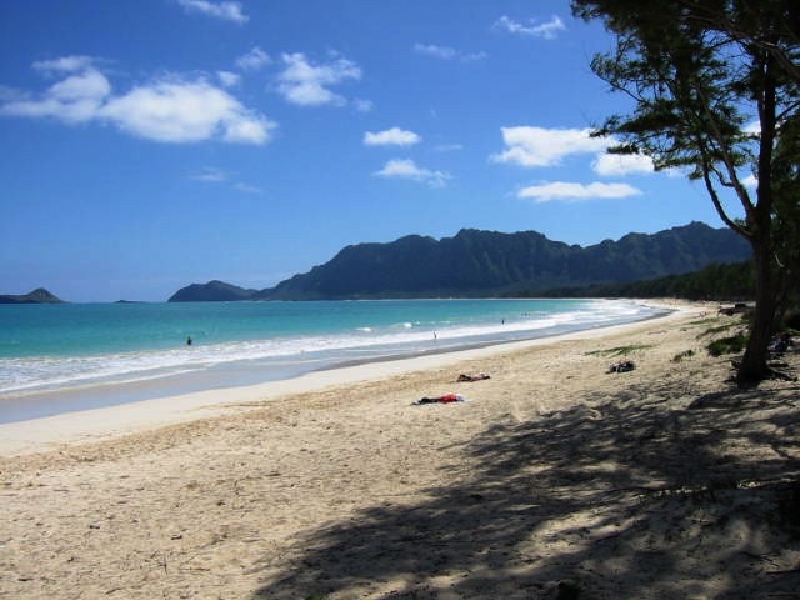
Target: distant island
(475, 263)
(37, 296)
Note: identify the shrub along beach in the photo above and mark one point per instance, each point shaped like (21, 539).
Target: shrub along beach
(554, 477)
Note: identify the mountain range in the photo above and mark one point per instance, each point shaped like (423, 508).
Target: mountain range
(476, 263)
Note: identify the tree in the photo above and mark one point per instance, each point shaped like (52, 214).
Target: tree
(712, 84)
(786, 222)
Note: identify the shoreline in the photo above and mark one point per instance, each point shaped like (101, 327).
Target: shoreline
(662, 482)
(72, 395)
(109, 421)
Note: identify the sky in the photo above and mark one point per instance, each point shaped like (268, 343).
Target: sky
(150, 144)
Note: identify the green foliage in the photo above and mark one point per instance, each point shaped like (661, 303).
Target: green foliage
(698, 73)
(727, 345)
(742, 321)
(714, 282)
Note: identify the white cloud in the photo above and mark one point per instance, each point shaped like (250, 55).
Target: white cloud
(253, 60)
(391, 137)
(210, 174)
(563, 190)
(362, 105)
(65, 64)
(750, 181)
(186, 112)
(75, 99)
(447, 53)
(244, 127)
(168, 110)
(306, 84)
(448, 147)
(248, 189)
(622, 164)
(227, 78)
(89, 84)
(545, 30)
(407, 169)
(225, 10)
(540, 147)
(443, 52)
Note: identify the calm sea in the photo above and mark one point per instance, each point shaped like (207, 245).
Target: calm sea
(75, 351)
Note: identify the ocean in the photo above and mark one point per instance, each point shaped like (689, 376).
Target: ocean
(66, 357)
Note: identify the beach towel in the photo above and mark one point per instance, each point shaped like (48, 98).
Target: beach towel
(444, 399)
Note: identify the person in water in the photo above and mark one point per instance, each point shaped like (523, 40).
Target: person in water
(188, 340)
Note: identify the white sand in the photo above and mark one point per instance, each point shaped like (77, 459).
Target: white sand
(36, 435)
(663, 482)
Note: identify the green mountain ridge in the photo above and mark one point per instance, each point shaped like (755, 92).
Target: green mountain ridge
(476, 263)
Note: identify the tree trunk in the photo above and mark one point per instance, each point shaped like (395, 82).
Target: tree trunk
(754, 362)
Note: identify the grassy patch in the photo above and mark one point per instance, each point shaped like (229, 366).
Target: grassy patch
(705, 321)
(718, 329)
(685, 354)
(727, 345)
(619, 350)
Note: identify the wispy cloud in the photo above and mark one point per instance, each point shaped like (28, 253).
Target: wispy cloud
(407, 169)
(563, 190)
(214, 175)
(170, 109)
(226, 10)
(448, 147)
(65, 64)
(211, 175)
(77, 98)
(541, 147)
(443, 52)
(253, 60)
(447, 53)
(248, 189)
(227, 78)
(362, 105)
(391, 137)
(306, 84)
(546, 30)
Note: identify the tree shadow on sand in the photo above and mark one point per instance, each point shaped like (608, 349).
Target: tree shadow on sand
(616, 498)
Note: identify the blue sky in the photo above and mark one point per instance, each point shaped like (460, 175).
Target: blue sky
(149, 144)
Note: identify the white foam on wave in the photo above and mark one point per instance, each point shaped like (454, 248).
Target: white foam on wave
(29, 374)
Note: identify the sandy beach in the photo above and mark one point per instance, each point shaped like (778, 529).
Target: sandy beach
(555, 479)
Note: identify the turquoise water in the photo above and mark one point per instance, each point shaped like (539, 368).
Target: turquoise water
(78, 347)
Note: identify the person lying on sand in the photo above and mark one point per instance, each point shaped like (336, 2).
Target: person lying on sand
(781, 343)
(478, 377)
(445, 399)
(620, 367)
